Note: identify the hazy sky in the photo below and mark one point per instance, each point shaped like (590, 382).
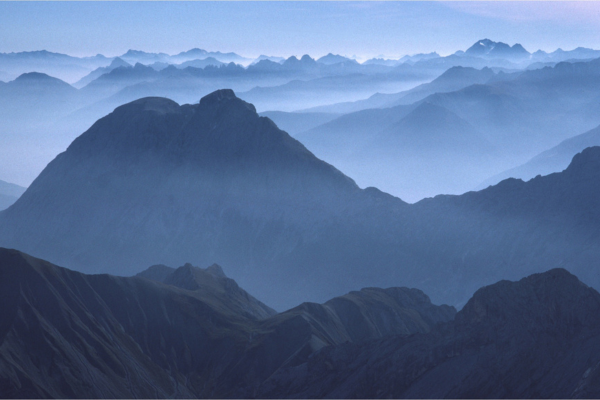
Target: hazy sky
(294, 28)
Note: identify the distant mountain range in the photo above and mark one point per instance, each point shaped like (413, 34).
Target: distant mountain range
(193, 336)
(155, 182)
(555, 159)
(520, 114)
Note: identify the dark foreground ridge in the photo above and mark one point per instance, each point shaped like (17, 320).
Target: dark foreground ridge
(64, 334)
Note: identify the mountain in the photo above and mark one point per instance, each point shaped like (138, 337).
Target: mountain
(418, 154)
(158, 183)
(535, 338)
(453, 79)
(555, 159)
(198, 150)
(580, 53)
(490, 49)
(115, 63)
(270, 58)
(419, 57)
(211, 284)
(334, 59)
(62, 66)
(302, 94)
(201, 63)
(138, 56)
(110, 336)
(381, 61)
(9, 193)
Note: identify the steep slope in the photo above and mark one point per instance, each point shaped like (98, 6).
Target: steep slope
(536, 338)
(69, 335)
(212, 182)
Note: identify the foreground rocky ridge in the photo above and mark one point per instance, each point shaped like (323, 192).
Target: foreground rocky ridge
(64, 334)
(535, 338)
(69, 335)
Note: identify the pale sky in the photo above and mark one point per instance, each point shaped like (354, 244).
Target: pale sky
(365, 29)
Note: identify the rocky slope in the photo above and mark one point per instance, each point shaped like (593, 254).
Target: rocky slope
(536, 338)
(64, 334)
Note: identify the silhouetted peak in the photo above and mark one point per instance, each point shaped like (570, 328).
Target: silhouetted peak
(216, 270)
(224, 97)
(539, 301)
(585, 163)
(218, 96)
(306, 58)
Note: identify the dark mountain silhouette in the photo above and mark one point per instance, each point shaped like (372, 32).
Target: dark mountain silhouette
(536, 338)
(132, 337)
(155, 182)
(188, 153)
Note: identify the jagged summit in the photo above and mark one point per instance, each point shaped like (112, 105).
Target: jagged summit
(489, 48)
(212, 286)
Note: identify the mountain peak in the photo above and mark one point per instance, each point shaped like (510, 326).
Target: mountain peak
(218, 96)
(223, 97)
(537, 301)
(588, 161)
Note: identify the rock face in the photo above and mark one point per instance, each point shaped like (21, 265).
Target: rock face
(64, 334)
(536, 338)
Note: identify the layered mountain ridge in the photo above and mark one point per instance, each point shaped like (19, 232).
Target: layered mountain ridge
(67, 334)
(155, 182)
